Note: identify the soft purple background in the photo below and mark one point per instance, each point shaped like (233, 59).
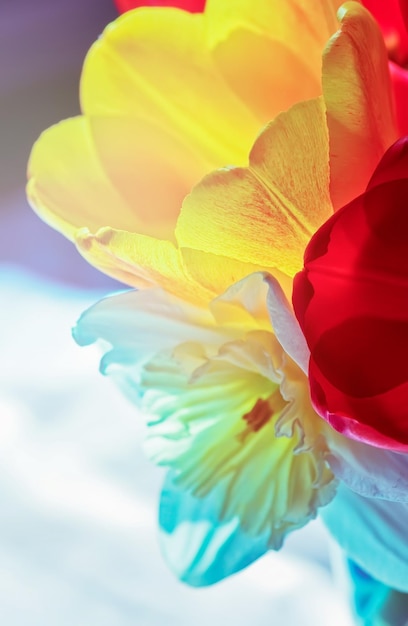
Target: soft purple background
(78, 542)
(42, 46)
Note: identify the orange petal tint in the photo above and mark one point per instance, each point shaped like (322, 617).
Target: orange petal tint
(272, 37)
(357, 92)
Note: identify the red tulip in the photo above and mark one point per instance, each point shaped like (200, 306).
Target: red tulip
(403, 4)
(389, 16)
(392, 16)
(194, 6)
(351, 301)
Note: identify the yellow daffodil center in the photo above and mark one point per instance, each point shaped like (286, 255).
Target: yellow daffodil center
(231, 419)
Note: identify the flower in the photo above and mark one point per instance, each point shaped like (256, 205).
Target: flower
(227, 408)
(392, 17)
(392, 24)
(351, 302)
(223, 384)
(167, 97)
(226, 398)
(194, 6)
(215, 356)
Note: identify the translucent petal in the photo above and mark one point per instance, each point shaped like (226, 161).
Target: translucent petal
(137, 324)
(154, 64)
(199, 547)
(292, 24)
(373, 534)
(367, 470)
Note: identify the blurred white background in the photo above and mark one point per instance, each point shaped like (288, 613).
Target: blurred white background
(78, 532)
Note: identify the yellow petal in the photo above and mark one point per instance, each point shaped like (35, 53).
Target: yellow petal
(266, 74)
(68, 186)
(266, 213)
(216, 272)
(357, 92)
(111, 171)
(306, 23)
(140, 261)
(154, 64)
(285, 39)
(149, 167)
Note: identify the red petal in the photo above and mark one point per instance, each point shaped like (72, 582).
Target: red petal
(392, 17)
(404, 12)
(399, 81)
(388, 15)
(351, 301)
(194, 6)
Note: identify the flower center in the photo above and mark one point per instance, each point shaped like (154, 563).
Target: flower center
(261, 413)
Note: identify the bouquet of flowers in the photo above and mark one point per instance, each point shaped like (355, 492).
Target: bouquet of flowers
(243, 166)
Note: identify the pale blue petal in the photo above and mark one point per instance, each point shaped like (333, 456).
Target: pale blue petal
(199, 548)
(375, 603)
(373, 533)
(134, 325)
(369, 595)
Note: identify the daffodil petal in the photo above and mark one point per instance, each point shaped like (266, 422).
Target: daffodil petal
(225, 407)
(369, 595)
(266, 213)
(199, 547)
(285, 325)
(137, 324)
(373, 533)
(357, 92)
(154, 63)
(376, 603)
(244, 303)
(369, 471)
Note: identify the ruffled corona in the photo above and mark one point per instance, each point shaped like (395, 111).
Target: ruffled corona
(217, 422)
(230, 411)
